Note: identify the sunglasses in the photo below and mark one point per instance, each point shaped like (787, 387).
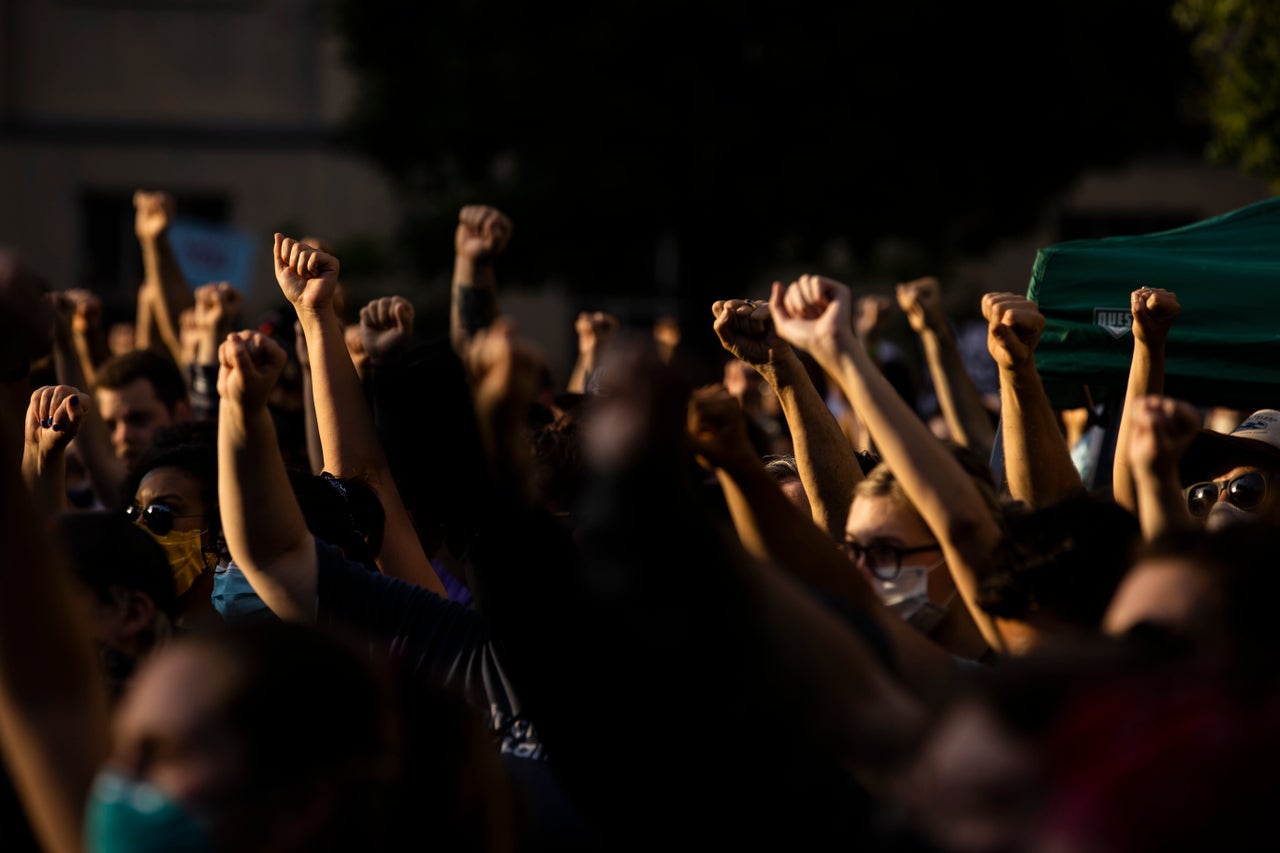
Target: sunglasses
(884, 561)
(158, 518)
(1244, 492)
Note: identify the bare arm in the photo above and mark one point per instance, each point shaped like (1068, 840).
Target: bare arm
(814, 315)
(164, 293)
(308, 278)
(594, 330)
(967, 418)
(1161, 432)
(826, 460)
(1154, 311)
(93, 443)
(54, 718)
(481, 236)
(54, 416)
(315, 453)
(264, 527)
(1037, 461)
(780, 533)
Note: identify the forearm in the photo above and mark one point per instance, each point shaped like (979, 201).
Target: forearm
(350, 446)
(265, 530)
(825, 458)
(90, 351)
(348, 440)
(581, 370)
(1160, 504)
(958, 397)
(54, 714)
(315, 452)
(1037, 461)
(45, 475)
(168, 291)
(106, 472)
(939, 488)
(1146, 376)
(474, 300)
(777, 530)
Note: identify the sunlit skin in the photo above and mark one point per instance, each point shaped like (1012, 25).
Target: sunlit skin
(882, 519)
(1167, 591)
(132, 414)
(973, 786)
(172, 730)
(181, 492)
(1223, 514)
(794, 490)
(178, 490)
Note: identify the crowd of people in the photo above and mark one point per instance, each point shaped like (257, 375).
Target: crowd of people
(325, 580)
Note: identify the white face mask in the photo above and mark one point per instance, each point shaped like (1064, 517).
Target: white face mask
(908, 593)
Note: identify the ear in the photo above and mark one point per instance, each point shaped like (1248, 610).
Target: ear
(181, 411)
(138, 616)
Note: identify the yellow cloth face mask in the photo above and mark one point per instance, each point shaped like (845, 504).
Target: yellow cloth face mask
(187, 557)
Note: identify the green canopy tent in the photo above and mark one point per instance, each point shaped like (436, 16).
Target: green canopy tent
(1224, 348)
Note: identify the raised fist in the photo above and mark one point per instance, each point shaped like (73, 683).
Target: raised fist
(1014, 326)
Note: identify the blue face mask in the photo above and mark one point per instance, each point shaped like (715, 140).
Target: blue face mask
(234, 598)
(127, 815)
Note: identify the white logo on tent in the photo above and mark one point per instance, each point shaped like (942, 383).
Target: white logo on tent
(1117, 321)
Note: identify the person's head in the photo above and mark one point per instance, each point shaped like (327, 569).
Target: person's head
(1213, 590)
(1235, 477)
(126, 587)
(1062, 563)
(887, 538)
(172, 492)
(267, 736)
(343, 511)
(136, 393)
(784, 469)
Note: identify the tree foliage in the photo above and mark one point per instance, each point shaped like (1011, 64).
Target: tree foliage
(1237, 47)
(752, 139)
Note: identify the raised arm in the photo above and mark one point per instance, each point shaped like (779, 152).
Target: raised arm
(88, 334)
(595, 330)
(315, 453)
(774, 529)
(826, 460)
(54, 718)
(967, 418)
(164, 293)
(93, 440)
(264, 527)
(217, 307)
(1037, 461)
(308, 278)
(1154, 310)
(813, 313)
(1161, 432)
(481, 236)
(54, 416)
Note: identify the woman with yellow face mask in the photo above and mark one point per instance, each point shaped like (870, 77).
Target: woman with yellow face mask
(172, 494)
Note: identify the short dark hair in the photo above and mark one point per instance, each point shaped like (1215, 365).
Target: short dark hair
(107, 550)
(197, 457)
(125, 368)
(1064, 560)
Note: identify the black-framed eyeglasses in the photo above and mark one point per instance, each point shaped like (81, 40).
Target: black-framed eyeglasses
(158, 518)
(883, 560)
(1244, 492)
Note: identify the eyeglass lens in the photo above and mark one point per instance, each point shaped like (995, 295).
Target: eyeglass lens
(1245, 492)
